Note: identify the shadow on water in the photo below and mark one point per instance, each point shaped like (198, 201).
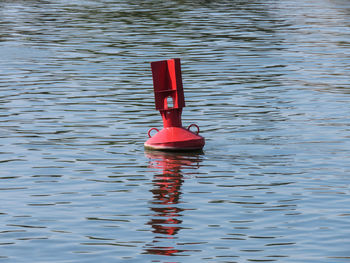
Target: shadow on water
(166, 209)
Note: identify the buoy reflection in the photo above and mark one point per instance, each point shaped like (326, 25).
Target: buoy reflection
(167, 213)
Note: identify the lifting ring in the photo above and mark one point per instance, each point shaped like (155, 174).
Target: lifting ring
(149, 131)
(195, 125)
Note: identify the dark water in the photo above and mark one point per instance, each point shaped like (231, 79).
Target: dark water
(268, 82)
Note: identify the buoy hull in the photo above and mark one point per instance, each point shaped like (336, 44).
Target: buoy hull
(175, 139)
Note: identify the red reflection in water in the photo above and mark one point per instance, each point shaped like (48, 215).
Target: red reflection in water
(166, 218)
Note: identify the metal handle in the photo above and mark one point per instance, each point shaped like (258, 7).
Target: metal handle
(149, 131)
(195, 125)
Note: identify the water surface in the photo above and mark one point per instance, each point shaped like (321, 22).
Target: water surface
(266, 81)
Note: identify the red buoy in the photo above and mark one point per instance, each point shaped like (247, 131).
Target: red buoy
(169, 100)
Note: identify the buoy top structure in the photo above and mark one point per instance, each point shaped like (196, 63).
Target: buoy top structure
(169, 100)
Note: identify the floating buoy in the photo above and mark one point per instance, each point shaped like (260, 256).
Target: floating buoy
(169, 100)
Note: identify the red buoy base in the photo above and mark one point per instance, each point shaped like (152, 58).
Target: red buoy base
(175, 139)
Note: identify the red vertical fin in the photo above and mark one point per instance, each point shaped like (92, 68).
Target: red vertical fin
(174, 68)
(160, 76)
(167, 82)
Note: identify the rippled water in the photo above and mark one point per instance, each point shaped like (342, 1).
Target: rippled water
(266, 81)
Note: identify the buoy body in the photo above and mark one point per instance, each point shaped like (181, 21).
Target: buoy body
(169, 100)
(175, 138)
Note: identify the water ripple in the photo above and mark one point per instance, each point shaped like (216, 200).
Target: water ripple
(268, 84)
